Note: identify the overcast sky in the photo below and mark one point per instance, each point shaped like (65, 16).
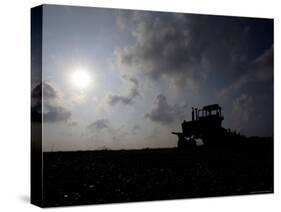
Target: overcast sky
(145, 70)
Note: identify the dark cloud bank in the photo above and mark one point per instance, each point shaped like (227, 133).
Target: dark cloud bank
(186, 47)
(228, 59)
(54, 111)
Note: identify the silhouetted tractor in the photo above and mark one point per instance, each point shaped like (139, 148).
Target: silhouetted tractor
(206, 124)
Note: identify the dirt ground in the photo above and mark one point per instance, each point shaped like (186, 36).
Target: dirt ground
(96, 177)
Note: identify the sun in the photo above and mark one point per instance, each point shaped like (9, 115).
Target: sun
(81, 78)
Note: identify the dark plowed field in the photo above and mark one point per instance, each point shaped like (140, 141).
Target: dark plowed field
(95, 177)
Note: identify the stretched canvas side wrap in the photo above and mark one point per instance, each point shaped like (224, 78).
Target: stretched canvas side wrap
(130, 105)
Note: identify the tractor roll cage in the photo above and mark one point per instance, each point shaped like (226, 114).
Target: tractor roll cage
(210, 110)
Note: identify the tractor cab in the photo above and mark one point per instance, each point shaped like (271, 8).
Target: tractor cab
(210, 112)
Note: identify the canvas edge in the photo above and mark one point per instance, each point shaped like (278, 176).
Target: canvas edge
(36, 188)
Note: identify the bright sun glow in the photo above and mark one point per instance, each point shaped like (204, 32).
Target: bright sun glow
(81, 79)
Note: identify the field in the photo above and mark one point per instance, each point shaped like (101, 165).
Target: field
(95, 177)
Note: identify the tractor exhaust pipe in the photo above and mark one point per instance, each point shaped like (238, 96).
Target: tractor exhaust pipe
(192, 114)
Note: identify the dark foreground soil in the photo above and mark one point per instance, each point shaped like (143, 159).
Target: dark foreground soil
(95, 177)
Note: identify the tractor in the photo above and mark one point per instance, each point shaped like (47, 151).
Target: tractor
(206, 124)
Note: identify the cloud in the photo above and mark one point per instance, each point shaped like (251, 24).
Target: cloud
(243, 107)
(163, 48)
(55, 113)
(181, 48)
(135, 129)
(73, 123)
(98, 125)
(250, 96)
(164, 113)
(48, 91)
(258, 70)
(115, 99)
(53, 109)
(192, 51)
(245, 116)
(129, 98)
(261, 69)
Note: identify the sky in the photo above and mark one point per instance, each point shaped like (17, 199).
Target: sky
(125, 79)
